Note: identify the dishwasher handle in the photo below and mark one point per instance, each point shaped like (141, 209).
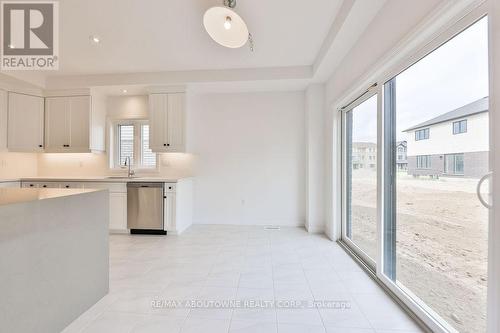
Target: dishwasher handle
(138, 184)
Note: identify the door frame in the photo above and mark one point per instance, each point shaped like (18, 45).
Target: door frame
(369, 93)
(441, 25)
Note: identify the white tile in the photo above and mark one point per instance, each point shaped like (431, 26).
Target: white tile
(299, 316)
(197, 325)
(348, 317)
(300, 328)
(238, 262)
(91, 314)
(158, 324)
(241, 326)
(331, 329)
(261, 315)
(293, 291)
(383, 313)
(257, 294)
(114, 322)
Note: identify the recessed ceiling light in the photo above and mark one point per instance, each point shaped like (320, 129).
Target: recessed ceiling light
(95, 39)
(11, 46)
(124, 91)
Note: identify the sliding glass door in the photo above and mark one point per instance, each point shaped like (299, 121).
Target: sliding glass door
(432, 149)
(435, 229)
(360, 174)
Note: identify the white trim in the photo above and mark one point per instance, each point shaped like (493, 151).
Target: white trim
(113, 139)
(343, 150)
(494, 226)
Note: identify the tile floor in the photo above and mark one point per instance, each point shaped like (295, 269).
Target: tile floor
(238, 263)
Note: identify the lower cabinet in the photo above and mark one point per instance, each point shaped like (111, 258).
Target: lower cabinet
(117, 212)
(169, 212)
(117, 204)
(177, 202)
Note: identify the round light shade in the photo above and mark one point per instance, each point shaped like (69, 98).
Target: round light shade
(225, 27)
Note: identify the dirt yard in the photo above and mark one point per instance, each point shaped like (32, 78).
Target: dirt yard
(441, 243)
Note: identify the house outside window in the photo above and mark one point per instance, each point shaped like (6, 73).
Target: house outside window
(423, 161)
(454, 164)
(460, 126)
(131, 140)
(422, 134)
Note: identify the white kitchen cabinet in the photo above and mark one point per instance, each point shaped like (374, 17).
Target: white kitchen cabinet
(25, 125)
(3, 120)
(178, 206)
(117, 204)
(118, 212)
(68, 122)
(169, 212)
(167, 122)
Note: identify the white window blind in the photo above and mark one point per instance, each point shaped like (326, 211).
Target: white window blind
(126, 143)
(148, 157)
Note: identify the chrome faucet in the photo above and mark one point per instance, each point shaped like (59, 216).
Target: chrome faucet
(131, 172)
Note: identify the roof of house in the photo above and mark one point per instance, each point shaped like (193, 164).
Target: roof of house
(401, 143)
(479, 106)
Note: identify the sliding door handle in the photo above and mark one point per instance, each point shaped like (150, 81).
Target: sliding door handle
(478, 190)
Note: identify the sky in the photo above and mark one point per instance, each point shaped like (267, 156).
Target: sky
(452, 76)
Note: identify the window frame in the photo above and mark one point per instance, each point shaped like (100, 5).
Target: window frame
(426, 134)
(346, 196)
(428, 162)
(460, 129)
(454, 164)
(137, 146)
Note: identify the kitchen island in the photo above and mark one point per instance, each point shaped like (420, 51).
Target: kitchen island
(54, 256)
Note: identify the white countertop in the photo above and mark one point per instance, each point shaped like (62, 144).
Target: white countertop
(107, 179)
(9, 180)
(17, 195)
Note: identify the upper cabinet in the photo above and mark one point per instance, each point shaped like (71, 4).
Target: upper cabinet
(25, 125)
(167, 121)
(70, 124)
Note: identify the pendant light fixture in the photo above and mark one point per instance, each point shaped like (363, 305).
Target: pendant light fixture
(226, 27)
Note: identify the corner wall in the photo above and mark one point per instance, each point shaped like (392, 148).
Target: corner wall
(315, 162)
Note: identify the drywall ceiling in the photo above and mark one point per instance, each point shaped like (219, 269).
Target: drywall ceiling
(146, 42)
(168, 35)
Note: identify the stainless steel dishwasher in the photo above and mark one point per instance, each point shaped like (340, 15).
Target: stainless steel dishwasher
(145, 208)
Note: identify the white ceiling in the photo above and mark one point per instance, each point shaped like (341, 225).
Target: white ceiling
(162, 43)
(168, 35)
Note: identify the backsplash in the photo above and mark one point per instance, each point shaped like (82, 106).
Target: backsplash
(16, 165)
(86, 165)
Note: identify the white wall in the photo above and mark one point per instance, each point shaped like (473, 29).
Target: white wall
(250, 158)
(394, 21)
(443, 141)
(315, 143)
